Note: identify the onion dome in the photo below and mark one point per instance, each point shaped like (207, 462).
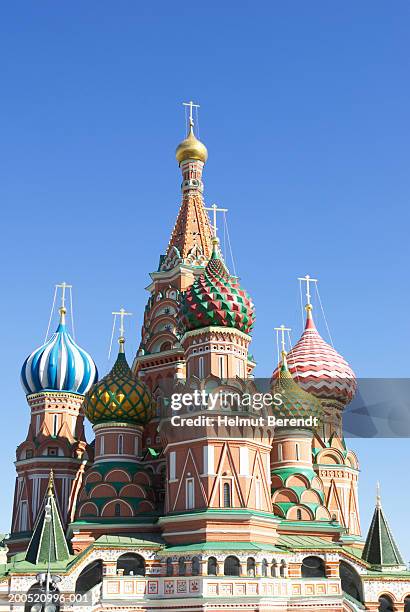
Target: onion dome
(318, 367)
(216, 299)
(296, 403)
(191, 148)
(119, 396)
(59, 365)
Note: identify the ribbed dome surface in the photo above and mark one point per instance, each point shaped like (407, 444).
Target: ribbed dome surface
(119, 396)
(318, 367)
(216, 299)
(59, 365)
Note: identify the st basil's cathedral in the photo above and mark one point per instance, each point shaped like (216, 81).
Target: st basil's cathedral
(149, 516)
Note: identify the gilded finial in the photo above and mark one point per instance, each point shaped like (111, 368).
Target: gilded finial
(50, 486)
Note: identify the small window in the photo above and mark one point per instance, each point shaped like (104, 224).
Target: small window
(23, 516)
(297, 452)
(264, 568)
(102, 445)
(227, 495)
(221, 366)
(120, 444)
(181, 567)
(29, 454)
(172, 465)
(201, 367)
(212, 566)
(52, 451)
(299, 514)
(195, 566)
(55, 424)
(250, 567)
(117, 510)
(190, 494)
(258, 500)
(170, 568)
(280, 452)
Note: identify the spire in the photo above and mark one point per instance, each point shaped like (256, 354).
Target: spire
(380, 549)
(191, 237)
(48, 543)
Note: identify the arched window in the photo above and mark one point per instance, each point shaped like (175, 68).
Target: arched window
(195, 566)
(385, 604)
(313, 567)
(232, 567)
(211, 566)
(250, 567)
(282, 568)
(201, 367)
(264, 568)
(89, 577)
(132, 564)
(299, 514)
(170, 568)
(181, 566)
(227, 495)
(351, 583)
(274, 569)
(117, 510)
(120, 444)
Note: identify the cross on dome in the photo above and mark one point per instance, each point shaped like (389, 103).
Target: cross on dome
(120, 313)
(215, 210)
(281, 330)
(191, 107)
(307, 279)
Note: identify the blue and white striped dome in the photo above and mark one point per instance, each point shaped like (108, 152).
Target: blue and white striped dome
(59, 365)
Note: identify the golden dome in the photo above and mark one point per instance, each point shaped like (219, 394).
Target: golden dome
(191, 148)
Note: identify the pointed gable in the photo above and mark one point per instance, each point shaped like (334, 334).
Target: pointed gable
(380, 548)
(48, 542)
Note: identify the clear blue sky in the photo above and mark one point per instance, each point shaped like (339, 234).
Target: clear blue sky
(304, 109)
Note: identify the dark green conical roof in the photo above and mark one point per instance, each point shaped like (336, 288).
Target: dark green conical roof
(380, 548)
(48, 541)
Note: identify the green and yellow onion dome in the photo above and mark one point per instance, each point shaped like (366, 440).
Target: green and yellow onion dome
(119, 396)
(217, 299)
(296, 403)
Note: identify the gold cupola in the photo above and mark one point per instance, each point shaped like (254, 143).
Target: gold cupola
(191, 147)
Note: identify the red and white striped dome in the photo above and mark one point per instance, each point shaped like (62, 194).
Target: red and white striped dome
(318, 368)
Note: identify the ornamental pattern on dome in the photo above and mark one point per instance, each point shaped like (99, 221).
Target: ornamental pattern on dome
(216, 299)
(318, 367)
(119, 396)
(59, 365)
(296, 402)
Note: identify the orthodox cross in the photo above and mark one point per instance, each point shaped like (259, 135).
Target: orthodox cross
(121, 313)
(191, 107)
(63, 286)
(307, 279)
(215, 210)
(378, 496)
(282, 329)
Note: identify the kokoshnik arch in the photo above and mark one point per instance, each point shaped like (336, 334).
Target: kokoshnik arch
(149, 516)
